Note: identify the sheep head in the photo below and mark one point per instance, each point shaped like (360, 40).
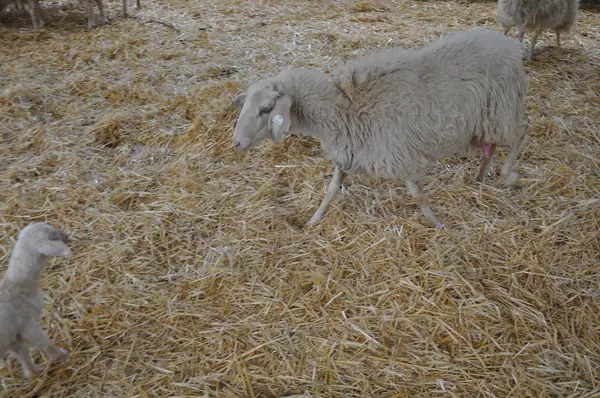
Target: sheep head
(45, 240)
(265, 112)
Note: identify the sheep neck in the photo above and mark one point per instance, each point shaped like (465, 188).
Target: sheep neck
(25, 267)
(317, 105)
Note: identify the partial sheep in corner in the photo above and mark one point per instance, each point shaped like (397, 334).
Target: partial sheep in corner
(34, 10)
(537, 15)
(394, 112)
(21, 298)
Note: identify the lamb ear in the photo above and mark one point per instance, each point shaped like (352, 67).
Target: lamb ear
(280, 119)
(53, 248)
(239, 100)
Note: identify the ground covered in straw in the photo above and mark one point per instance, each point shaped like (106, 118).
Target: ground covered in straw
(192, 274)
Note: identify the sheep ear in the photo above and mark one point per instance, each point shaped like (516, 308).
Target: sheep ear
(279, 118)
(239, 100)
(53, 248)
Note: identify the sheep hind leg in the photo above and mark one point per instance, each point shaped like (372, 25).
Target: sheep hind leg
(101, 11)
(416, 190)
(90, 12)
(21, 352)
(487, 151)
(334, 185)
(521, 34)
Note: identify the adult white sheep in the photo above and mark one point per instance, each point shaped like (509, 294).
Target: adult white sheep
(21, 303)
(537, 15)
(393, 112)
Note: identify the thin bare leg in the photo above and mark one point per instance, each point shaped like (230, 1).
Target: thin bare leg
(36, 14)
(90, 12)
(125, 8)
(487, 151)
(508, 173)
(36, 337)
(21, 352)
(533, 41)
(416, 190)
(334, 185)
(557, 38)
(138, 4)
(101, 11)
(521, 34)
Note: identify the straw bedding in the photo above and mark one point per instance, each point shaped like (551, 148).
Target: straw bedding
(192, 274)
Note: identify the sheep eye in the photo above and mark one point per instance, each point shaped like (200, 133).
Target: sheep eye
(264, 111)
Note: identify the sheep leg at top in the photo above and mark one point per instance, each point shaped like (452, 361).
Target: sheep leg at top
(101, 11)
(416, 190)
(334, 185)
(138, 4)
(90, 12)
(533, 41)
(521, 34)
(125, 8)
(21, 352)
(36, 14)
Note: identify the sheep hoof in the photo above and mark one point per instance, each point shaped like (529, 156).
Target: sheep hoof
(511, 178)
(61, 355)
(311, 222)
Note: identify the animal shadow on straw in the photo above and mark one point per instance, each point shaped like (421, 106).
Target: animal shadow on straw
(549, 53)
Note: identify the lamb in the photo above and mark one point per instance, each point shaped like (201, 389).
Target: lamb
(21, 302)
(393, 112)
(537, 15)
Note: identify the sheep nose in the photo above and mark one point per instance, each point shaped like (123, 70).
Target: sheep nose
(236, 145)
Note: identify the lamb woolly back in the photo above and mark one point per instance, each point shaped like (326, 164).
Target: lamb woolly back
(393, 112)
(21, 303)
(537, 15)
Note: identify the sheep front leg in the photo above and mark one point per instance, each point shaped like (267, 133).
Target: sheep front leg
(416, 190)
(533, 41)
(21, 352)
(338, 177)
(36, 337)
